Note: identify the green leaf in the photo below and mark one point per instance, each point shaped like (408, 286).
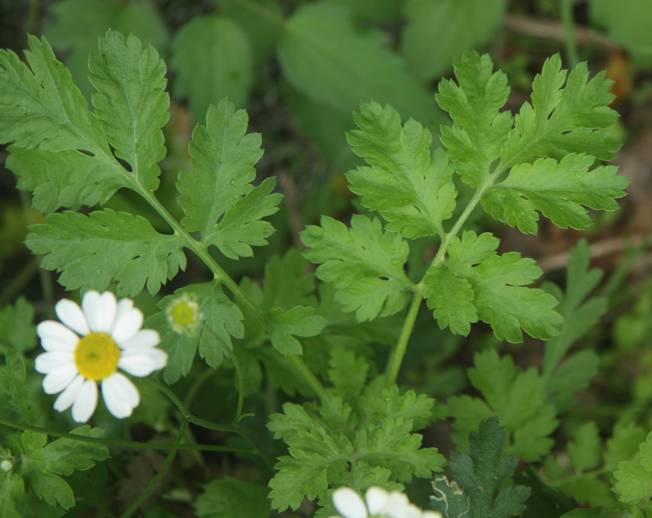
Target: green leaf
(407, 184)
(475, 138)
(286, 324)
(216, 321)
(131, 102)
(17, 331)
(518, 398)
(458, 24)
(288, 282)
(585, 447)
(560, 190)
(355, 445)
(105, 247)
(67, 179)
(449, 499)
(623, 444)
(481, 475)
(492, 288)
(320, 38)
(347, 372)
(581, 313)
(364, 264)
(452, 300)
(232, 497)
(633, 478)
(17, 402)
(259, 20)
(47, 118)
(40, 107)
(212, 59)
(569, 113)
(76, 26)
(45, 462)
(627, 24)
(217, 194)
(12, 491)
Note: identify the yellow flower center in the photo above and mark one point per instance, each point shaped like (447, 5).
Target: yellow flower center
(96, 356)
(183, 314)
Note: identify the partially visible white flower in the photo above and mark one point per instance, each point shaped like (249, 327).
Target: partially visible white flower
(377, 503)
(6, 465)
(183, 314)
(88, 346)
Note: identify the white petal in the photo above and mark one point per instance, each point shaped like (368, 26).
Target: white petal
(59, 379)
(143, 338)
(376, 498)
(138, 363)
(349, 503)
(120, 395)
(71, 315)
(100, 310)
(56, 337)
(68, 396)
(430, 514)
(127, 322)
(50, 361)
(160, 358)
(85, 402)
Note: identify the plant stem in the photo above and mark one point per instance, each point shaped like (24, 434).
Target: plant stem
(568, 22)
(154, 482)
(154, 445)
(18, 282)
(310, 378)
(209, 425)
(222, 276)
(396, 358)
(397, 354)
(241, 388)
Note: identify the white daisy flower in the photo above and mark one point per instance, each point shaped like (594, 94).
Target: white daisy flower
(88, 346)
(377, 503)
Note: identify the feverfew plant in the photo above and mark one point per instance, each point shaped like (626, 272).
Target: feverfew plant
(346, 422)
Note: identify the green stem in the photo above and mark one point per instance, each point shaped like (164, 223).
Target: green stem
(396, 358)
(241, 387)
(397, 354)
(570, 478)
(209, 425)
(222, 276)
(194, 389)
(310, 378)
(568, 22)
(123, 443)
(154, 482)
(18, 282)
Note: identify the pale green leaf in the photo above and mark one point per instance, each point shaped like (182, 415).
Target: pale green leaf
(326, 58)
(212, 59)
(76, 25)
(408, 185)
(568, 113)
(106, 246)
(475, 138)
(495, 285)
(131, 102)
(217, 194)
(561, 191)
(458, 24)
(364, 264)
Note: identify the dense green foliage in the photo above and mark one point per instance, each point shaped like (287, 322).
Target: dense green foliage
(380, 348)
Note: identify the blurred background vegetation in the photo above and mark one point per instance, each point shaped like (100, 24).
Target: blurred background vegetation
(301, 67)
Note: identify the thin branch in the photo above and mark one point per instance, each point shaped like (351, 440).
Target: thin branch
(551, 30)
